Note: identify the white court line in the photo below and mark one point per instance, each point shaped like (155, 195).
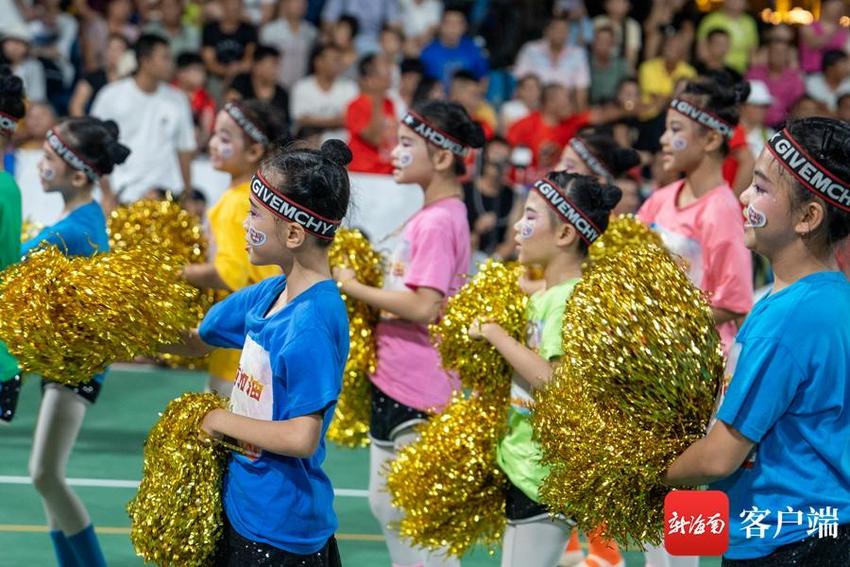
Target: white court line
(113, 483)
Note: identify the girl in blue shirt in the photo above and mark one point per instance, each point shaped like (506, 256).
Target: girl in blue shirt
(779, 444)
(293, 333)
(76, 154)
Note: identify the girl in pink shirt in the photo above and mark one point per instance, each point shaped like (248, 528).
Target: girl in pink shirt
(427, 266)
(698, 217)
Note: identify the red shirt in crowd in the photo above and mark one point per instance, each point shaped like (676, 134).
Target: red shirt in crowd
(546, 141)
(369, 158)
(730, 164)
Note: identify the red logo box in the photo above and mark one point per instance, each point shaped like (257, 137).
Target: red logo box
(696, 522)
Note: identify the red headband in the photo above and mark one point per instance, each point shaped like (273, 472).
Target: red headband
(287, 209)
(567, 210)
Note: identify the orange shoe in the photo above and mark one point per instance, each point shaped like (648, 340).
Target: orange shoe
(573, 555)
(602, 552)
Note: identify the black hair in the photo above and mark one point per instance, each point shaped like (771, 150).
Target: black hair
(715, 32)
(827, 140)
(194, 194)
(262, 51)
(268, 118)
(352, 22)
(831, 57)
(595, 200)
(453, 119)
(719, 94)
(315, 179)
(11, 94)
(529, 77)
(548, 89)
(423, 91)
(616, 159)
(412, 65)
(145, 45)
(95, 141)
(188, 59)
(317, 52)
(366, 65)
(464, 75)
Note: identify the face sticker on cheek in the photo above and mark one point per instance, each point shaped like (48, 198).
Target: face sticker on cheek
(47, 174)
(256, 237)
(225, 150)
(526, 229)
(405, 159)
(755, 218)
(678, 143)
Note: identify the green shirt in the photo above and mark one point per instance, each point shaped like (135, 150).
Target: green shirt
(518, 454)
(743, 36)
(10, 249)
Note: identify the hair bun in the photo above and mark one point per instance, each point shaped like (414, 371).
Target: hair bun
(742, 92)
(11, 86)
(473, 135)
(111, 127)
(337, 151)
(609, 196)
(117, 152)
(625, 159)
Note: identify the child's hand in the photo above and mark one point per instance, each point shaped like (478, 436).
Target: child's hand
(209, 424)
(343, 274)
(477, 327)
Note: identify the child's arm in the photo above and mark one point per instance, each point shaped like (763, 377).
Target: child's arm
(204, 276)
(530, 366)
(420, 306)
(191, 345)
(712, 458)
(297, 437)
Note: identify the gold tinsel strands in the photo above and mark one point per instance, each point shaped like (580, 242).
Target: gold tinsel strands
(350, 426)
(622, 232)
(636, 385)
(492, 295)
(176, 516)
(67, 318)
(448, 483)
(166, 226)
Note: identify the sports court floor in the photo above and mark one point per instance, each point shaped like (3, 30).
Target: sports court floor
(107, 463)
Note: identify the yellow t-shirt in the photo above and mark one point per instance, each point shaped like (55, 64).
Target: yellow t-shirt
(227, 246)
(654, 79)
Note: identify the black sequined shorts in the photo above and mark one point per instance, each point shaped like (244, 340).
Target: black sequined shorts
(237, 551)
(88, 391)
(813, 551)
(390, 417)
(520, 509)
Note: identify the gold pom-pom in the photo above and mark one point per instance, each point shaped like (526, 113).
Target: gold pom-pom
(492, 295)
(350, 426)
(176, 516)
(166, 226)
(448, 484)
(622, 232)
(30, 229)
(67, 318)
(636, 385)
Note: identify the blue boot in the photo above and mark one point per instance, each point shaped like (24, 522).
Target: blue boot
(87, 548)
(64, 554)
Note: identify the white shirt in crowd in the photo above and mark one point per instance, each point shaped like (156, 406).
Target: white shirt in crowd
(418, 16)
(155, 126)
(818, 89)
(253, 10)
(569, 69)
(31, 72)
(308, 99)
(294, 47)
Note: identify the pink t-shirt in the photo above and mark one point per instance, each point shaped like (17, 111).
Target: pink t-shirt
(434, 252)
(811, 58)
(708, 235)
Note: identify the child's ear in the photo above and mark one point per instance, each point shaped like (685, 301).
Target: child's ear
(812, 215)
(79, 179)
(443, 160)
(566, 235)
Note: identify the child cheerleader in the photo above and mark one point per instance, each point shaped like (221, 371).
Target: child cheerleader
(426, 267)
(599, 155)
(778, 441)
(243, 134)
(293, 332)
(76, 154)
(12, 109)
(698, 217)
(564, 214)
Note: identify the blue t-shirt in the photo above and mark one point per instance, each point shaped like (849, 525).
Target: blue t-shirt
(790, 394)
(291, 366)
(442, 62)
(81, 233)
